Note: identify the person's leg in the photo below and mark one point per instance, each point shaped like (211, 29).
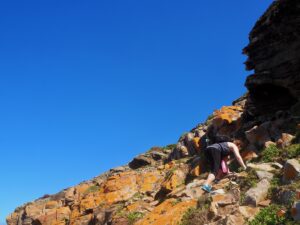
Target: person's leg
(215, 156)
(211, 177)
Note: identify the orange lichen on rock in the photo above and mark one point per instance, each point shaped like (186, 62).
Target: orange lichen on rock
(196, 171)
(167, 213)
(149, 181)
(173, 180)
(196, 143)
(119, 187)
(226, 115)
(248, 155)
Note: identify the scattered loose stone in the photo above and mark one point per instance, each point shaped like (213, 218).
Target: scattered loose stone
(256, 194)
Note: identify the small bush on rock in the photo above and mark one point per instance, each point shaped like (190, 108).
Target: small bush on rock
(270, 153)
(292, 151)
(270, 216)
(134, 216)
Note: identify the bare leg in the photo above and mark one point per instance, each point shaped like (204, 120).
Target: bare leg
(211, 177)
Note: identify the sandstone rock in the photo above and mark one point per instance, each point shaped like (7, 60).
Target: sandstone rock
(285, 196)
(259, 135)
(100, 216)
(158, 155)
(269, 144)
(285, 140)
(174, 180)
(118, 169)
(51, 205)
(264, 175)
(291, 170)
(169, 212)
(269, 167)
(224, 199)
(256, 194)
(295, 211)
(140, 161)
(248, 212)
(274, 56)
(70, 196)
(264, 203)
(226, 115)
(248, 155)
(193, 189)
(83, 220)
(235, 220)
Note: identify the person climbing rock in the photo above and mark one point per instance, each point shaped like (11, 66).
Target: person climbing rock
(216, 154)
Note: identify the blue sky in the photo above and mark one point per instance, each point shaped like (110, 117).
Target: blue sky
(87, 85)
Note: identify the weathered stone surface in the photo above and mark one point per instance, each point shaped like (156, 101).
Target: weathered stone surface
(254, 195)
(140, 161)
(285, 140)
(248, 155)
(248, 212)
(291, 170)
(174, 179)
(285, 196)
(269, 167)
(167, 213)
(273, 53)
(295, 211)
(264, 175)
(259, 135)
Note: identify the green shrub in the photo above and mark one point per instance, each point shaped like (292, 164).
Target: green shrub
(270, 153)
(134, 216)
(91, 189)
(292, 151)
(268, 216)
(187, 216)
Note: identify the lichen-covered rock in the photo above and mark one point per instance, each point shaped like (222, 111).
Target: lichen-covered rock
(291, 170)
(169, 212)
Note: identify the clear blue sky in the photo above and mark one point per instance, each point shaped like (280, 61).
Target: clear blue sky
(87, 85)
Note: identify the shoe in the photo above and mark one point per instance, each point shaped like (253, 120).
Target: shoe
(206, 188)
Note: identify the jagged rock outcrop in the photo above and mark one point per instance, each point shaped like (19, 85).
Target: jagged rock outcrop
(273, 54)
(162, 186)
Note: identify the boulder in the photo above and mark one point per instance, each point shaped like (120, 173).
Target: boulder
(174, 179)
(295, 211)
(256, 194)
(259, 135)
(140, 161)
(269, 167)
(264, 175)
(285, 140)
(248, 212)
(291, 170)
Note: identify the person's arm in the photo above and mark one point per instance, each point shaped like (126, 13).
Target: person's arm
(237, 155)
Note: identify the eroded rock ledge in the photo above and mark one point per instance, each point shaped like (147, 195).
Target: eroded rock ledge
(274, 55)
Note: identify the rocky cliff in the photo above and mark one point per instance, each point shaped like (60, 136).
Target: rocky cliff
(162, 186)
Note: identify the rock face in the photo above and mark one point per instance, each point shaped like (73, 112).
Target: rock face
(274, 56)
(163, 185)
